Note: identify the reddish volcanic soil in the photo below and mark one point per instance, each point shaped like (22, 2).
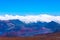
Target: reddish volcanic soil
(53, 36)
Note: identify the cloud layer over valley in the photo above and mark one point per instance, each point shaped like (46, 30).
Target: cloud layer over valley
(32, 18)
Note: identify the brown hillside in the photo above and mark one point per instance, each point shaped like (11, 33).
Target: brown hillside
(53, 36)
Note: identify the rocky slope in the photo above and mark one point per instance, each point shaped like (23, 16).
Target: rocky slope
(17, 28)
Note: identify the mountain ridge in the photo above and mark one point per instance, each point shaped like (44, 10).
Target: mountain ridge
(19, 28)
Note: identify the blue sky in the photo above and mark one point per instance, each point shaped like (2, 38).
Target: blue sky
(24, 7)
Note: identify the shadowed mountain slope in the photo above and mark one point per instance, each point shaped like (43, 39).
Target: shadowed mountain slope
(15, 27)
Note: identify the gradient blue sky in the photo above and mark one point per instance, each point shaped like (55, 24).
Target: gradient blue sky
(24, 7)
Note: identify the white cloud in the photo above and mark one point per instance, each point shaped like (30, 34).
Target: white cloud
(32, 18)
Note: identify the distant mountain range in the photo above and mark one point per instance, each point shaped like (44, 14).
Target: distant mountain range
(18, 28)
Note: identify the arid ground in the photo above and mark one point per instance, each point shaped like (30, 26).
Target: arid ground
(53, 36)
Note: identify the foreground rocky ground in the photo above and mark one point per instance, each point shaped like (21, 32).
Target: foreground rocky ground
(52, 36)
